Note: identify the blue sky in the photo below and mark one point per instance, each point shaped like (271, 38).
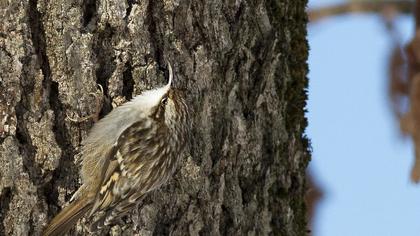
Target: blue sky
(359, 158)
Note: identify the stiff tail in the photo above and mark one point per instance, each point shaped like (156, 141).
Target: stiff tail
(67, 218)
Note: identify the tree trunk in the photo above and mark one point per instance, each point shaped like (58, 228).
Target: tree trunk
(243, 65)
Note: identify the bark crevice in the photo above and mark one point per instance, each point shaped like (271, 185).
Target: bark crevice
(105, 57)
(89, 12)
(26, 149)
(60, 129)
(38, 37)
(128, 81)
(5, 198)
(129, 8)
(152, 26)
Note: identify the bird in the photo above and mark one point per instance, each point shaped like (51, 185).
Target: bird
(131, 151)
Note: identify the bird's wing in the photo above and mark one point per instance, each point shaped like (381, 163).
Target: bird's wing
(128, 174)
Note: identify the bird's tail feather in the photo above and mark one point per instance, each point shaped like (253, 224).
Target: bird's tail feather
(68, 217)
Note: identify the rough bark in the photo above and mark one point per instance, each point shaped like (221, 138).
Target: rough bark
(243, 64)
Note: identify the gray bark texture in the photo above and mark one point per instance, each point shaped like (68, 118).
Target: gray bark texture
(243, 66)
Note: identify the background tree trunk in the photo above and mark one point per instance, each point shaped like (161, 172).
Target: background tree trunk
(243, 64)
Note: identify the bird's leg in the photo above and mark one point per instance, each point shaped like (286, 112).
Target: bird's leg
(99, 104)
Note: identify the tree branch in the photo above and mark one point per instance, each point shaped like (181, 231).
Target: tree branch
(403, 6)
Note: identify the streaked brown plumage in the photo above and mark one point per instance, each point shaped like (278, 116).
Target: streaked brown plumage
(131, 151)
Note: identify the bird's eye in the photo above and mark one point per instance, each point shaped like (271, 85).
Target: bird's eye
(164, 101)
